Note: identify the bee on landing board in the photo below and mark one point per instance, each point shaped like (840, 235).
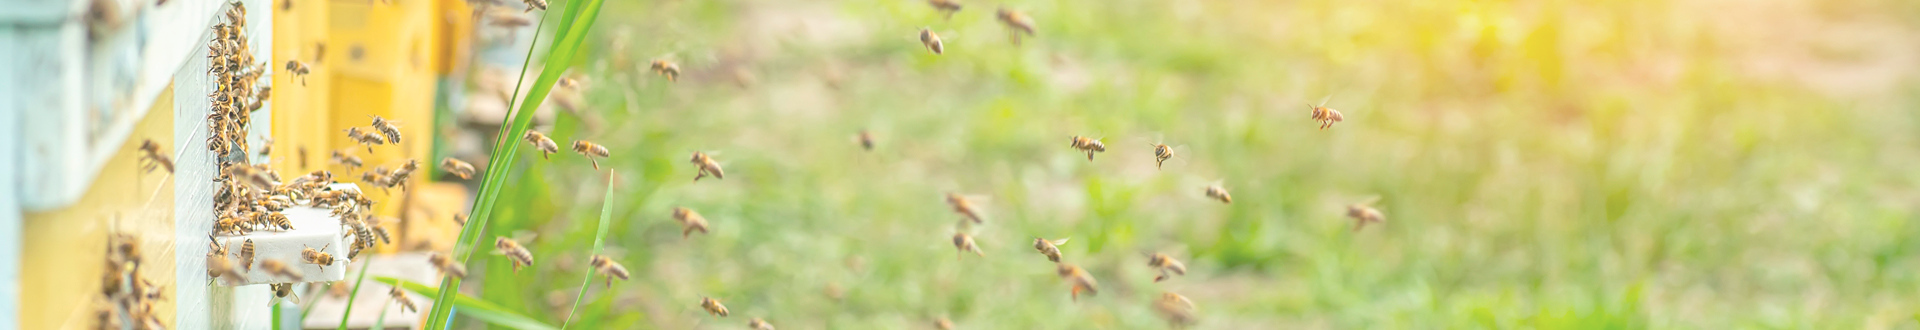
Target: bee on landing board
(965, 244)
(1049, 248)
(713, 306)
(316, 257)
(606, 266)
(540, 142)
(1166, 265)
(593, 151)
(931, 41)
(1016, 22)
(515, 252)
(1088, 145)
(690, 221)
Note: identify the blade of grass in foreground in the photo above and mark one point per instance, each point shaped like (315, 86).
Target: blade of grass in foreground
(478, 309)
(355, 292)
(599, 238)
(559, 55)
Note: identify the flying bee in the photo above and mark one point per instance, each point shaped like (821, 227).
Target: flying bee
(689, 221)
(387, 128)
(666, 68)
(460, 219)
(400, 297)
(151, 158)
(1080, 280)
(277, 268)
(866, 140)
(942, 323)
(713, 306)
(298, 69)
(1326, 116)
(446, 265)
(1048, 248)
(1362, 214)
(707, 166)
(606, 266)
(381, 232)
(759, 324)
(515, 252)
(507, 19)
(1161, 153)
(946, 7)
(1088, 145)
(1166, 265)
(591, 150)
(1017, 23)
(319, 51)
(283, 290)
(931, 41)
(267, 149)
(364, 138)
(535, 4)
(1178, 311)
(965, 244)
(541, 142)
(964, 207)
(316, 257)
(246, 255)
(344, 159)
(1217, 192)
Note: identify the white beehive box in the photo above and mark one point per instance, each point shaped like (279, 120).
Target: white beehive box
(313, 228)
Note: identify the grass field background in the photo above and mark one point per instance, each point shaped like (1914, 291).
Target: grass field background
(1550, 164)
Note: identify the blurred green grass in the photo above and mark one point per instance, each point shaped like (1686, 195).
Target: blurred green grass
(1543, 164)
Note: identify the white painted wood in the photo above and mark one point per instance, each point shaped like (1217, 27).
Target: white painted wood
(10, 212)
(201, 306)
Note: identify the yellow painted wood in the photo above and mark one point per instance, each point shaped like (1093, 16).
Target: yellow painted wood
(300, 119)
(64, 250)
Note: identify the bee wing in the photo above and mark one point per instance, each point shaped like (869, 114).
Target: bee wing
(1324, 99)
(524, 236)
(1062, 241)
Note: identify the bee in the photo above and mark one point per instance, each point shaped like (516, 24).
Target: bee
(344, 159)
(514, 251)
(541, 142)
(965, 244)
(964, 207)
(217, 263)
(713, 306)
(1362, 214)
(278, 220)
(1217, 192)
(446, 265)
(568, 83)
(246, 255)
(277, 268)
(1326, 116)
(364, 138)
(535, 4)
(507, 19)
(1161, 153)
(591, 150)
(1166, 265)
(1081, 281)
(400, 297)
(707, 166)
(606, 266)
(282, 290)
(460, 219)
(931, 41)
(666, 68)
(1051, 249)
(759, 324)
(388, 128)
(1178, 311)
(298, 69)
(230, 224)
(946, 7)
(1017, 23)
(319, 51)
(151, 158)
(942, 323)
(316, 257)
(689, 221)
(266, 150)
(1088, 145)
(866, 140)
(381, 232)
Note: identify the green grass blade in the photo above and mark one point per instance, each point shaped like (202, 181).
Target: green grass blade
(380, 322)
(355, 292)
(559, 55)
(599, 238)
(478, 309)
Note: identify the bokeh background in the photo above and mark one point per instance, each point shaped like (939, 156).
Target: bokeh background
(1551, 164)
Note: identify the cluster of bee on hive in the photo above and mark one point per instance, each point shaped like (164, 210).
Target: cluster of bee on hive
(129, 295)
